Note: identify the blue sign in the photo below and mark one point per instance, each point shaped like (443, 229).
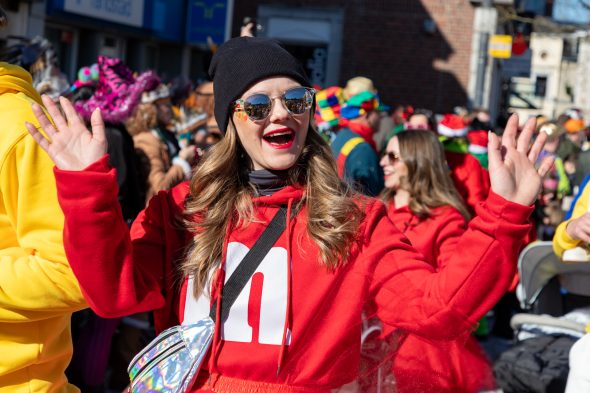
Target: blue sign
(164, 18)
(572, 11)
(207, 20)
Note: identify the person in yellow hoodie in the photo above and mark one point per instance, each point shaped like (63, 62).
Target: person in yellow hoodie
(38, 291)
(573, 236)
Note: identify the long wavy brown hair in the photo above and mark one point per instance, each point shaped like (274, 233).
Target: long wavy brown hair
(220, 196)
(428, 181)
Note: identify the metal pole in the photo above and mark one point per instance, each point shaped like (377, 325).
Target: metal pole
(482, 61)
(229, 19)
(3, 18)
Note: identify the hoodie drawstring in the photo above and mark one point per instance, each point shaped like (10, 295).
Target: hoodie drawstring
(287, 324)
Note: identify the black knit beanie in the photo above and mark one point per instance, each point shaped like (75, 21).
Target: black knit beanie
(241, 62)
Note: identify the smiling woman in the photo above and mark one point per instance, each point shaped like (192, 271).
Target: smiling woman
(417, 174)
(423, 203)
(272, 134)
(295, 326)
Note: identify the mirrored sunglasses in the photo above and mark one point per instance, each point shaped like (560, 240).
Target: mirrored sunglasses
(258, 106)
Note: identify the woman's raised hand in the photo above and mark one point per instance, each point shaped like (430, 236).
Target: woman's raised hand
(71, 147)
(512, 162)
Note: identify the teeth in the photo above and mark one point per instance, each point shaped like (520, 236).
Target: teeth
(278, 134)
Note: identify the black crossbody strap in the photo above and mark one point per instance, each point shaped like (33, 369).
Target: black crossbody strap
(250, 263)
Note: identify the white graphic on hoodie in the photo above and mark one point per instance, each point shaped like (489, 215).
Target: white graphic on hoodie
(273, 271)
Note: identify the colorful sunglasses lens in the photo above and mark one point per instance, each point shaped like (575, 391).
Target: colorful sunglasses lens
(257, 106)
(297, 101)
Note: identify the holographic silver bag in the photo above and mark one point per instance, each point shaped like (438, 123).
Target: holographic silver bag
(171, 362)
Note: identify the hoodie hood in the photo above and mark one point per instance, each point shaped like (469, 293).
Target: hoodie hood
(14, 79)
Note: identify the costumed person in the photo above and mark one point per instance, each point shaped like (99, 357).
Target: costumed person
(420, 119)
(417, 119)
(165, 128)
(181, 89)
(575, 138)
(470, 178)
(424, 205)
(354, 148)
(187, 121)
(87, 79)
(38, 290)
(466, 155)
(296, 325)
(555, 185)
(401, 117)
(329, 101)
(37, 56)
(573, 141)
(117, 94)
(158, 168)
(478, 146)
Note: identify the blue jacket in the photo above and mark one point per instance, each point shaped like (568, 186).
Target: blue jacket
(361, 165)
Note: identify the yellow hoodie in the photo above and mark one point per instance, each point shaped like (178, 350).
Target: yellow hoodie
(561, 240)
(38, 291)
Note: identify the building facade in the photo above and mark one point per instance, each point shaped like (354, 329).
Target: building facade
(416, 52)
(173, 37)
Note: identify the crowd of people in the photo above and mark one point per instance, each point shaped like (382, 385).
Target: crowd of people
(133, 200)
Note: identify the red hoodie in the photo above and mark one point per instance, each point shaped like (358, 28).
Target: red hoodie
(423, 366)
(435, 237)
(298, 315)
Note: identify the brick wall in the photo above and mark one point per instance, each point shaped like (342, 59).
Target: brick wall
(384, 40)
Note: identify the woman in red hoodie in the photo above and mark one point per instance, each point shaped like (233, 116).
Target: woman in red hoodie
(295, 326)
(423, 204)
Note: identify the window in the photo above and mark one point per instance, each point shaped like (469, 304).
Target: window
(541, 86)
(570, 49)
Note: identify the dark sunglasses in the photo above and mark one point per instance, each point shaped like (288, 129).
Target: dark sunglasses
(391, 156)
(258, 106)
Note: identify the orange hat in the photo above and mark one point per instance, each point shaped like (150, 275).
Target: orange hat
(574, 125)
